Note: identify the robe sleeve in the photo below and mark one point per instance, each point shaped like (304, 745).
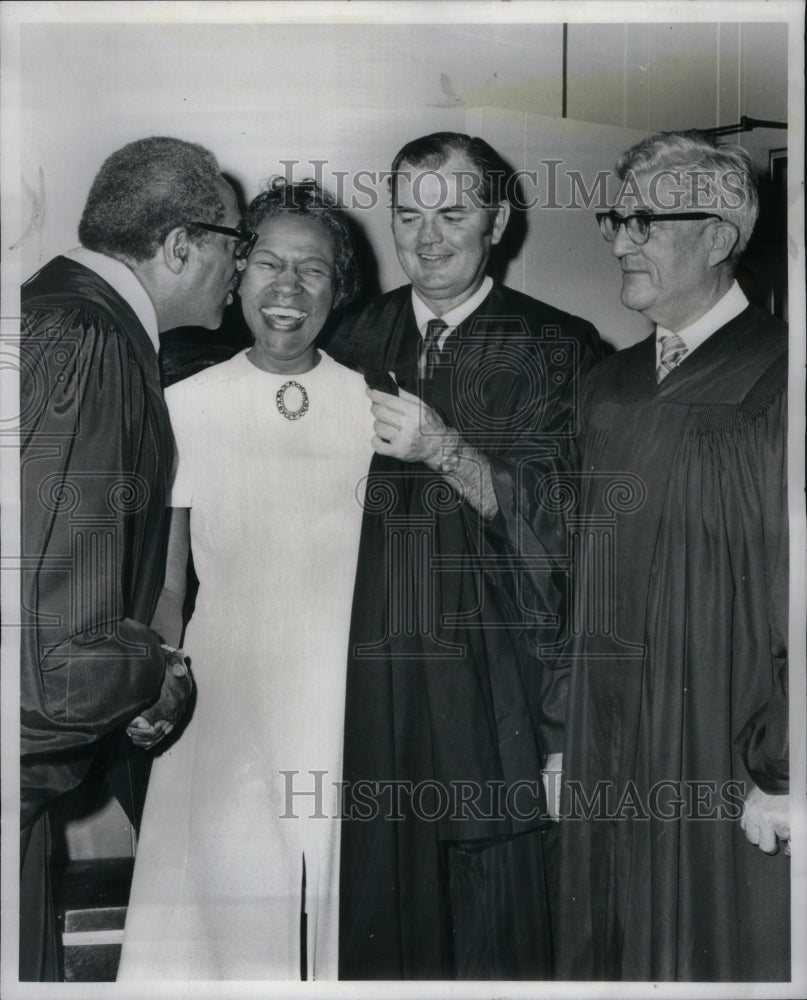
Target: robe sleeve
(350, 341)
(87, 517)
(536, 532)
(763, 741)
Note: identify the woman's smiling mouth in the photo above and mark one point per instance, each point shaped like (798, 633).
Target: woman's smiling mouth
(283, 317)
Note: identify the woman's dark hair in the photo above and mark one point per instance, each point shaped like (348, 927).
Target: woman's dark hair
(306, 198)
(145, 190)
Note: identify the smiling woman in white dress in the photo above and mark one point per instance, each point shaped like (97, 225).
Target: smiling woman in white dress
(237, 869)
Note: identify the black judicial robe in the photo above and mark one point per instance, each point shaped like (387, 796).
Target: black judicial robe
(678, 678)
(96, 452)
(443, 688)
(186, 350)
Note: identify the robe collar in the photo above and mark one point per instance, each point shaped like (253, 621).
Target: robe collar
(116, 274)
(721, 372)
(455, 316)
(723, 311)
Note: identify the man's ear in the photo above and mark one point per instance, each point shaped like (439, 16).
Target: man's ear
(724, 237)
(500, 220)
(176, 248)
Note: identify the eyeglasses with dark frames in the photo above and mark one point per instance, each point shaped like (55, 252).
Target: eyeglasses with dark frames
(246, 238)
(637, 226)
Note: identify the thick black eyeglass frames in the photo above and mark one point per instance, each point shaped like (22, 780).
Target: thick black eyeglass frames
(638, 225)
(245, 237)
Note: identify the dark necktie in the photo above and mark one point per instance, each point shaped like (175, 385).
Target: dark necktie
(430, 347)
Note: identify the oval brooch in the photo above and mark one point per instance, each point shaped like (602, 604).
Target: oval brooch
(280, 400)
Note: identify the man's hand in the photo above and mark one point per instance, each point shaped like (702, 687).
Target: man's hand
(766, 817)
(410, 430)
(407, 428)
(157, 721)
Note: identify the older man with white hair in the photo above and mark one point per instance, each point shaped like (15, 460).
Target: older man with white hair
(677, 728)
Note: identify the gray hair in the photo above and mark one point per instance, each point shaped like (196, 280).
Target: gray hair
(722, 178)
(145, 190)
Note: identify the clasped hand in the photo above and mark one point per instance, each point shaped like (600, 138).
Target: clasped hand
(406, 428)
(157, 721)
(766, 820)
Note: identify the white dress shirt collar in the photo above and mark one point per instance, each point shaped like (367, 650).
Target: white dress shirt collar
(452, 318)
(724, 310)
(124, 281)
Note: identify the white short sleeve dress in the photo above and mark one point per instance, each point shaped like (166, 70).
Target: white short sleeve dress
(230, 823)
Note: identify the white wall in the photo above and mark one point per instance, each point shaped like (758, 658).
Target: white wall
(671, 76)
(564, 260)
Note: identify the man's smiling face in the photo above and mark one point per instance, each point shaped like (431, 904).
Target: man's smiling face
(670, 278)
(442, 234)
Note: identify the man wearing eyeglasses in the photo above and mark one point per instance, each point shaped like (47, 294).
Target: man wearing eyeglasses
(161, 247)
(675, 764)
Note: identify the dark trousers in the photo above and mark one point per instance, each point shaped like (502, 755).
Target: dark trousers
(39, 945)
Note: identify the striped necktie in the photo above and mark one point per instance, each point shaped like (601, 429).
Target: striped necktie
(673, 350)
(435, 328)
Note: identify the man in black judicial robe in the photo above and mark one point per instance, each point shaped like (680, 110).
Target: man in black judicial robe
(449, 714)
(676, 736)
(96, 455)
